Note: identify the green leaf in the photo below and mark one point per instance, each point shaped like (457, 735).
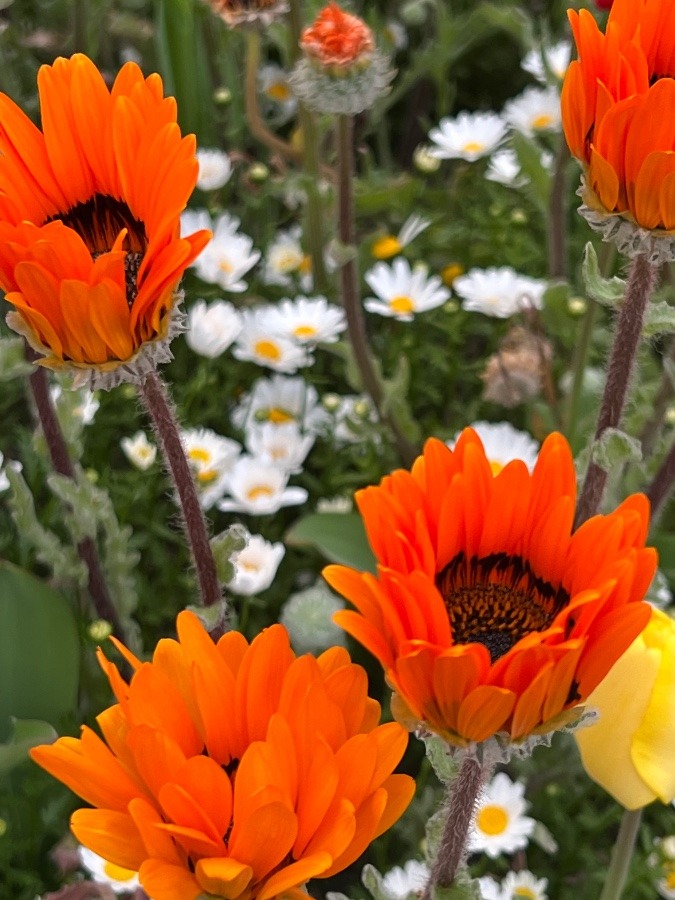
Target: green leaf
(606, 291)
(444, 765)
(13, 362)
(395, 402)
(39, 650)
(529, 157)
(340, 537)
(660, 319)
(614, 448)
(372, 881)
(25, 733)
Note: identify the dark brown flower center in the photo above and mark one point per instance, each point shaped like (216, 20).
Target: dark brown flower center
(496, 600)
(98, 221)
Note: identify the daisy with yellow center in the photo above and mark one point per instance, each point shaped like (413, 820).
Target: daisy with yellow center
(228, 256)
(90, 249)
(211, 458)
(469, 136)
(499, 823)
(503, 443)
(259, 342)
(139, 450)
(535, 110)
(278, 400)
(306, 320)
(118, 879)
(388, 246)
(402, 292)
(259, 488)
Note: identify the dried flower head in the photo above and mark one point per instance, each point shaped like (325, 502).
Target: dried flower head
(513, 375)
(248, 12)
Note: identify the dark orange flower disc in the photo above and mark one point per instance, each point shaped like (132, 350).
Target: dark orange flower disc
(488, 615)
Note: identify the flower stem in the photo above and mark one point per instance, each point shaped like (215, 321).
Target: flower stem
(356, 324)
(462, 794)
(662, 484)
(63, 464)
(621, 855)
(557, 232)
(622, 358)
(160, 409)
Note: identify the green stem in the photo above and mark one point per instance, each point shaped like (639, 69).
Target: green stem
(621, 855)
(557, 231)
(661, 486)
(622, 360)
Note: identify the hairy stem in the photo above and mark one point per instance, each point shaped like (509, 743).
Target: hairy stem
(63, 464)
(621, 855)
(662, 401)
(351, 301)
(462, 795)
(662, 484)
(622, 359)
(160, 409)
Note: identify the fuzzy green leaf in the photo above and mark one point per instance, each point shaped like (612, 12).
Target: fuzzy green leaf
(614, 448)
(606, 291)
(660, 319)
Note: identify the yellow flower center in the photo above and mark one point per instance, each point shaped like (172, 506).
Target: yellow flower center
(249, 566)
(278, 416)
(268, 350)
(473, 147)
(542, 121)
(495, 466)
(525, 892)
(305, 266)
(225, 266)
(401, 305)
(492, 820)
(260, 490)
(143, 452)
(278, 91)
(449, 273)
(386, 247)
(118, 873)
(207, 475)
(304, 331)
(288, 260)
(198, 454)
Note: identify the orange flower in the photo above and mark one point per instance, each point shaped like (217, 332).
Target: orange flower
(90, 249)
(234, 769)
(487, 614)
(618, 107)
(337, 39)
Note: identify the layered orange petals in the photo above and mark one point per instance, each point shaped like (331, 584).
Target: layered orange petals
(507, 543)
(233, 769)
(618, 105)
(90, 247)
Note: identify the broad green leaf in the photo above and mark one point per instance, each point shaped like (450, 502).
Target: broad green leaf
(39, 650)
(659, 319)
(529, 157)
(25, 733)
(614, 448)
(444, 765)
(606, 291)
(340, 537)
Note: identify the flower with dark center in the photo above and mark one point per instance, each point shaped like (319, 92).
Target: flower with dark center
(90, 247)
(487, 613)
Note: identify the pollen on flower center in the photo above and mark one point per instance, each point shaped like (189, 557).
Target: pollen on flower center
(278, 416)
(473, 147)
(542, 121)
(497, 600)
(401, 304)
(524, 892)
(118, 873)
(207, 475)
(278, 91)
(198, 454)
(304, 331)
(268, 350)
(99, 221)
(492, 820)
(260, 490)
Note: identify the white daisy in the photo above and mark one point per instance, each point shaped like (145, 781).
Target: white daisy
(400, 882)
(215, 169)
(212, 327)
(211, 458)
(139, 450)
(259, 343)
(227, 257)
(523, 886)
(503, 443)
(113, 876)
(395, 33)
(281, 445)
(504, 168)
(535, 110)
(273, 85)
(388, 246)
(255, 566)
(469, 136)
(4, 480)
(308, 617)
(499, 823)
(259, 489)
(489, 888)
(402, 291)
(280, 399)
(499, 292)
(307, 320)
(557, 61)
(194, 220)
(285, 259)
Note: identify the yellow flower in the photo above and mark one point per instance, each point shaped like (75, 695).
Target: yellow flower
(629, 752)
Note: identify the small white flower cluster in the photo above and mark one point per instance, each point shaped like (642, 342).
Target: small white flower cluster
(228, 256)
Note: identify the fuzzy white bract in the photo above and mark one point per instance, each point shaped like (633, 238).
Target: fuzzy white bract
(308, 617)
(259, 489)
(388, 246)
(259, 342)
(215, 169)
(286, 261)
(281, 399)
(504, 168)
(211, 458)
(212, 327)
(557, 59)
(535, 110)
(281, 445)
(140, 452)
(503, 443)
(255, 566)
(228, 256)
(402, 291)
(499, 823)
(499, 292)
(118, 879)
(307, 320)
(469, 136)
(401, 882)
